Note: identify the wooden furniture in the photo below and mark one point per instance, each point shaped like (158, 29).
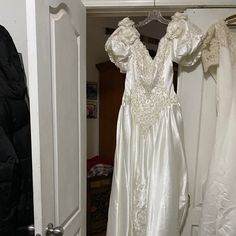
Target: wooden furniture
(111, 88)
(98, 196)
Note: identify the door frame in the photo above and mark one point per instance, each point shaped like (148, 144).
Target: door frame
(184, 82)
(105, 9)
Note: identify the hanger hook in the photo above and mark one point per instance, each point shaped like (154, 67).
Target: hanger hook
(154, 3)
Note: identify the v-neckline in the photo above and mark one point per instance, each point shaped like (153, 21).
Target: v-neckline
(145, 47)
(147, 51)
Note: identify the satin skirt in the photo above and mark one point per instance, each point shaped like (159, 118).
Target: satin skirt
(219, 205)
(149, 189)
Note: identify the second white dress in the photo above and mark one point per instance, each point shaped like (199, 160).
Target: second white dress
(149, 190)
(219, 206)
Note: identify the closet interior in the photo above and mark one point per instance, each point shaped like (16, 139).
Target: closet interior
(105, 87)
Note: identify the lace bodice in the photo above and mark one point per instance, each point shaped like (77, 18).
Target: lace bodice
(149, 87)
(217, 36)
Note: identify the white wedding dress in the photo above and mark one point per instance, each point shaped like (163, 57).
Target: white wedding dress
(219, 206)
(149, 191)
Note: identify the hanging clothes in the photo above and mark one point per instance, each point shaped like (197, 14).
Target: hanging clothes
(219, 205)
(16, 198)
(149, 190)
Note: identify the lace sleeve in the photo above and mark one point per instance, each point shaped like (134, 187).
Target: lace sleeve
(118, 44)
(186, 39)
(210, 50)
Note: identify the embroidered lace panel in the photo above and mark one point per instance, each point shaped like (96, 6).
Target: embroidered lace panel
(227, 39)
(140, 209)
(232, 43)
(149, 96)
(218, 36)
(210, 52)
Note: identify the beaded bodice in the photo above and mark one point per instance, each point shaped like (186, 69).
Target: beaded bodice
(149, 89)
(150, 93)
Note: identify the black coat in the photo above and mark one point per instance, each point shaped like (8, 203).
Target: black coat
(16, 202)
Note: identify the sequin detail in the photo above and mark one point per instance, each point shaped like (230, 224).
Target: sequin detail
(149, 95)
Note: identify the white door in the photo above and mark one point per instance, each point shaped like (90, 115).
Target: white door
(56, 31)
(198, 101)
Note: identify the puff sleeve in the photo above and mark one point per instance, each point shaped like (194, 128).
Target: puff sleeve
(186, 40)
(118, 45)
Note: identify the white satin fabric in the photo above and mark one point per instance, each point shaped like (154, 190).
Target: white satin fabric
(149, 190)
(219, 206)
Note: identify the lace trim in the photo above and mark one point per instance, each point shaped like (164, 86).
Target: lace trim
(222, 34)
(149, 96)
(232, 43)
(140, 209)
(218, 36)
(210, 51)
(227, 39)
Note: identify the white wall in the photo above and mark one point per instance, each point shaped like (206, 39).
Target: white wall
(96, 39)
(13, 18)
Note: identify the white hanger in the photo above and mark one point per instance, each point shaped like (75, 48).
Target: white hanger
(153, 15)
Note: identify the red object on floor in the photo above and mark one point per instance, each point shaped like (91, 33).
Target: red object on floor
(98, 160)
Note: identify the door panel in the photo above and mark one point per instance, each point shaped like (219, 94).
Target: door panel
(56, 50)
(65, 115)
(198, 101)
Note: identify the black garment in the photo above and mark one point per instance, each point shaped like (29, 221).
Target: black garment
(16, 201)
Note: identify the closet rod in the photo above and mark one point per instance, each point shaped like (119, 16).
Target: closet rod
(134, 12)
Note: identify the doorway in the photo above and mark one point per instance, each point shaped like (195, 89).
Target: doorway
(101, 128)
(197, 96)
